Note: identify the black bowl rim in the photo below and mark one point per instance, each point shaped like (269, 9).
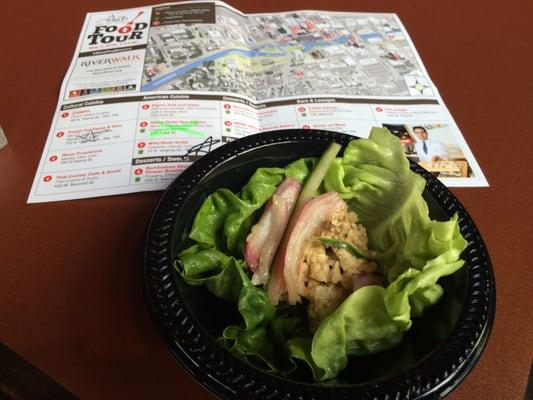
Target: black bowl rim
(227, 377)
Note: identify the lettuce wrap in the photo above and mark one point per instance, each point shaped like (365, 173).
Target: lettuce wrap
(374, 179)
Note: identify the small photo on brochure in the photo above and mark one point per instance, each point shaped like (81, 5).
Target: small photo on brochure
(434, 147)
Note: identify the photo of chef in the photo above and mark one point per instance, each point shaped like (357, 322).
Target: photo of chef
(434, 147)
(428, 150)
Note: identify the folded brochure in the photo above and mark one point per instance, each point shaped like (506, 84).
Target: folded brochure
(152, 89)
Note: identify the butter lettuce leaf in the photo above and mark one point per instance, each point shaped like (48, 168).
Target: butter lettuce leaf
(373, 318)
(373, 176)
(225, 218)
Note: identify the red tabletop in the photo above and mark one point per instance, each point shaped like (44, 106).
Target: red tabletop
(70, 297)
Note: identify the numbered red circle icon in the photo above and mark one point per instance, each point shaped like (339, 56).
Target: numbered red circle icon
(305, 126)
(60, 134)
(146, 106)
(228, 123)
(379, 109)
(227, 106)
(138, 171)
(301, 109)
(47, 178)
(53, 158)
(65, 115)
(144, 124)
(141, 145)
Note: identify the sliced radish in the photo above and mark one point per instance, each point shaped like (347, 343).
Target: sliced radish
(286, 266)
(263, 240)
(276, 286)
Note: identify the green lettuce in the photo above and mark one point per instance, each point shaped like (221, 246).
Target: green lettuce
(220, 229)
(374, 178)
(373, 319)
(265, 329)
(225, 218)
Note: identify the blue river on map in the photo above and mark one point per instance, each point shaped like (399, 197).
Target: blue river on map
(307, 47)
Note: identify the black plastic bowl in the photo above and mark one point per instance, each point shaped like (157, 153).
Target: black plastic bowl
(435, 355)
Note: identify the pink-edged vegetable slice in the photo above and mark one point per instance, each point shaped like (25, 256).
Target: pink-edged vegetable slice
(257, 238)
(277, 286)
(265, 236)
(308, 219)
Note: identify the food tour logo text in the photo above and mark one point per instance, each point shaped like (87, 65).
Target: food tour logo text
(112, 32)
